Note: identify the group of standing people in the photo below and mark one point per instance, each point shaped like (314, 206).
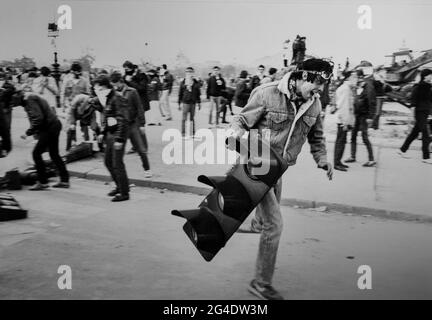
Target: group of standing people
(359, 99)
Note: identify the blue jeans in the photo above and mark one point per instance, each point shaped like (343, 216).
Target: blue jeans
(268, 215)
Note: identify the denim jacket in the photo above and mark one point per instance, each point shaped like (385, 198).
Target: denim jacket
(269, 107)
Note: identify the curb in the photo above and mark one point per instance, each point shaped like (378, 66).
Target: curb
(290, 202)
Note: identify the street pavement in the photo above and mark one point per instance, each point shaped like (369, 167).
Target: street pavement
(396, 188)
(137, 250)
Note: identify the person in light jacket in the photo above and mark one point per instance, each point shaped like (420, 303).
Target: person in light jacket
(345, 116)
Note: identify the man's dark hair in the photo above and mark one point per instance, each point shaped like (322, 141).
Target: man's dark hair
(312, 67)
(128, 64)
(243, 74)
(189, 69)
(45, 71)
(116, 77)
(103, 80)
(272, 71)
(164, 66)
(261, 66)
(216, 68)
(76, 67)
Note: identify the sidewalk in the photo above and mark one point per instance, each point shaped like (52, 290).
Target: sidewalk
(397, 188)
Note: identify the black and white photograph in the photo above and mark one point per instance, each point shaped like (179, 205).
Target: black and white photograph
(226, 151)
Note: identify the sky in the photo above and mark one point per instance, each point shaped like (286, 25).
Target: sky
(228, 31)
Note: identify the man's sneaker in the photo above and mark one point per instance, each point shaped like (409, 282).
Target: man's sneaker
(39, 186)
(168, 119)
(113, 192)
(131, 151)
(340, 167)
(64, 185)
(402, 154)
(148, 174)
(350, 160)
(120, 197)
(266, 292)
(369, 164)
(428, 161)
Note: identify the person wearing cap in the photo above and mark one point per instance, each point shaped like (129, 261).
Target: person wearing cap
(421, 100)
(136, 119)
(7, 90)
(115, 127)
(364, 110)
(215, 87)
(290, 109)
(74, 85)
(189, 97)
(345, 116)
(46, 127)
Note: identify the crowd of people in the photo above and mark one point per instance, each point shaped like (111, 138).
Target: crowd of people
(109, 109)
(112, 108)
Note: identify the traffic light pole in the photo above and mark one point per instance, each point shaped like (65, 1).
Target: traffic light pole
(56, 76)
(232, 199)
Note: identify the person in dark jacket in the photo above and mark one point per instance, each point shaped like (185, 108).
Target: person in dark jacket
(154, 86)
(364, 110)
(46, 127)
(139, 81)
(189, 97)
(6, 92)
(136, 119)
(421, 100)
(242, 92)
(215, 87)
(115, 127)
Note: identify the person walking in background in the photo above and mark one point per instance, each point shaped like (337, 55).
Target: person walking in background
(115, 127)
(364, 110)
(154, 86)
(188, 98)
(421, 100)
(216, 84)
(136, 119)
(345, 116)
(46, 127)
(242, 91)
(46, 86)
(167, 84)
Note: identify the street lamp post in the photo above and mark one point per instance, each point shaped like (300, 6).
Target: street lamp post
(53, 32)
